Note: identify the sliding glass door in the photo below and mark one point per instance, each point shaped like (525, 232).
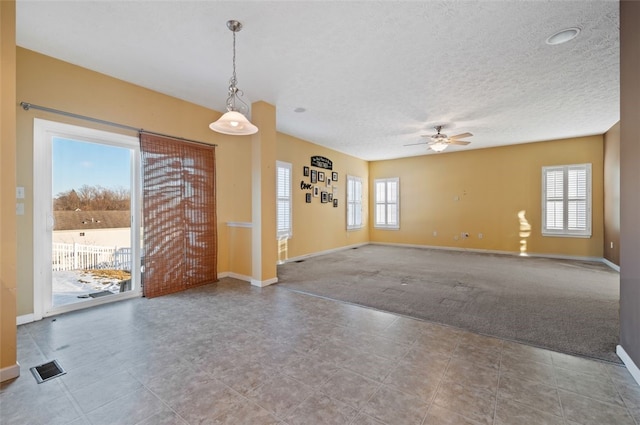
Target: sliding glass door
(86, 217)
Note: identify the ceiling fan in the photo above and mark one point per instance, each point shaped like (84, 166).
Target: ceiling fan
(439, 142)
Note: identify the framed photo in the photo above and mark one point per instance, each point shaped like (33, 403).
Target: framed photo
(335, 203)
(314, 176)
(325, 198)
(305, 171)
(316, 191)
(307, 198)
(329, 197)
(328, 182)
(320, 176)
(334, 176)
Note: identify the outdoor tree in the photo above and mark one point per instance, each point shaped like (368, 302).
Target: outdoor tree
(93, 198)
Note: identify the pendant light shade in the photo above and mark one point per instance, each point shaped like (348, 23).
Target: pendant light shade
(234, 122)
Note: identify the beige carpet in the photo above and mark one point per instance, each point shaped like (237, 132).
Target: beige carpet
(563, 305)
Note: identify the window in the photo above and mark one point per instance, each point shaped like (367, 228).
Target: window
(387, 199)
(354, 203)
(283, 199)
(566, 200)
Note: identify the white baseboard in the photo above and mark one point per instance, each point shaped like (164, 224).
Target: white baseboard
(612, 265)
(328, 251)
(25, 318)
(263, 283)
(10, 372)
(252, 281)
(629, 363)
(234, 276)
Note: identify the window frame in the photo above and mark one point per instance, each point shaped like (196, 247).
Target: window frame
(354, 203)
(376, 202)
(288, 233)
(565, 199)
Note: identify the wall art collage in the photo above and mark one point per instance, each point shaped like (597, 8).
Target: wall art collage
(320, 181)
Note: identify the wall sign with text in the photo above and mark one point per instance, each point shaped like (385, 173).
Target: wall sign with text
(320, 184)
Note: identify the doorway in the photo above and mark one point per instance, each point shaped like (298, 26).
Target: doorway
(86, 217)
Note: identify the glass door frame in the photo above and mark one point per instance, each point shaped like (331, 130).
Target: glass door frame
(43, 133)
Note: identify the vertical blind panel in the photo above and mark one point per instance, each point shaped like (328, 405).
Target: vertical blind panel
(554, 184)
(577, 183)
(179, 213)
(283, 199)
(380, 192)
(392, 192)
(380, 214)
(577, 219)
(392, 216)
(555, 216)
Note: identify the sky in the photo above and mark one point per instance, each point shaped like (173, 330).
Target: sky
(78, 163)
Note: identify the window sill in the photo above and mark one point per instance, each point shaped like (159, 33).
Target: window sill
(566, 235)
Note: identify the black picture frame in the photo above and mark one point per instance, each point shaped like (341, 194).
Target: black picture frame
(325, 197)
(335, 203)
(305, 171)
(307, 197)
(334, 176)
(329, 197)
(314, 176)
(316, 191)
(320, 176)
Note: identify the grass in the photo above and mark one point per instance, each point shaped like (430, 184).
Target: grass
(110, 274)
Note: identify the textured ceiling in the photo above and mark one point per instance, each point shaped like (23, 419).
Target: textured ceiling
(372, 76)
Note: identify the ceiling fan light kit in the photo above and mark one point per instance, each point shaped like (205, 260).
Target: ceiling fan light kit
(234, 122)
(439, 142)
(438, 146)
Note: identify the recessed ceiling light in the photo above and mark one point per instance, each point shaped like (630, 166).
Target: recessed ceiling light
(563, 36)
(299, 110)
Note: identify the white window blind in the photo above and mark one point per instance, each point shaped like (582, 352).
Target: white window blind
(387, 203)
(566, 200)
(283, 199)
(354, 202)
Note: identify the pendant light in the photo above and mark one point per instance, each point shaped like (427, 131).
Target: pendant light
(234, 122)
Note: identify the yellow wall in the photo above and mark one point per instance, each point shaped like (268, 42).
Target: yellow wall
(8, 365)
(319, 227)
(491, 185)
(52, 83)
(611, 248)
(482, 191)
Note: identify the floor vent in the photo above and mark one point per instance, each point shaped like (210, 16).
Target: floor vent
(47, 371)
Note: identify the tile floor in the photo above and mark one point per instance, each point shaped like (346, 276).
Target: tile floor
(230, 353)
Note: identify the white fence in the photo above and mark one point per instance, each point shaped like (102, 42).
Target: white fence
(74, 256)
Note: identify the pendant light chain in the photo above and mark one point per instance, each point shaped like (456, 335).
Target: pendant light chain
(234, 122)
(234, 80)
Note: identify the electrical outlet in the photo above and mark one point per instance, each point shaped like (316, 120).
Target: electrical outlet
(455, 238)
(435, 233)
(612, 245)
(480, 236)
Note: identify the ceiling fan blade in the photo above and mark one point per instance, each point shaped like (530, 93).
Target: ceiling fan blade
(458, 142)
(414, 144)
(461, 136)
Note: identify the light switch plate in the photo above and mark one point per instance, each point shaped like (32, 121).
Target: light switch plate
(19, 208)
(20, 192)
